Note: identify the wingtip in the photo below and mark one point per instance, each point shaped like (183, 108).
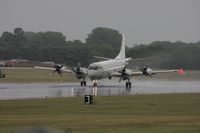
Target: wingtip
(181, 71)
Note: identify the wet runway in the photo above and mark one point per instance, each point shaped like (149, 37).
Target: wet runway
(105, 88)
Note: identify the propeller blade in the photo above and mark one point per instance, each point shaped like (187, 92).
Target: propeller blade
(60, 74)
(123, 74)
(149, 75)
(141, 76)
(54, 71)
(145, 72)
(120, 79)
(58, 69)
(78, 71)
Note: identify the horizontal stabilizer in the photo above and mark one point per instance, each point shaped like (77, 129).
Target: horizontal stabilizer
(138, 59)
(100, 57)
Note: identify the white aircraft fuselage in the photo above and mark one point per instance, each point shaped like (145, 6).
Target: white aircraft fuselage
(104, 69)
(108, 68)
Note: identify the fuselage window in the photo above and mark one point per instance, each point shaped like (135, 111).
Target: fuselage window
(94, 67)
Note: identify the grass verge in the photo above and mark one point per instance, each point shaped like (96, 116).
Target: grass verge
(160, 113)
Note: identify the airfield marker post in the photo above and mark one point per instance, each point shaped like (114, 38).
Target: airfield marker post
(88, 99)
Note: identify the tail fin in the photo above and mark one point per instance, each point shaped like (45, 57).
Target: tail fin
(122, 52)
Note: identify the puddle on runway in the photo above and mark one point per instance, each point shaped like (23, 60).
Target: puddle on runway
(43, 90)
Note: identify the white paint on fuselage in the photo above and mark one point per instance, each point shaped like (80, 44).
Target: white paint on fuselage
(103, 69)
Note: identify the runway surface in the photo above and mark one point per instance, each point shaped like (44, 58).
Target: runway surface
(105, 88)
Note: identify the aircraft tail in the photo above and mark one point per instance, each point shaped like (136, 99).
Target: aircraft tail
(122, 52)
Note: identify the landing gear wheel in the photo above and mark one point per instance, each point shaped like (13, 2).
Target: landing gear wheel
(128, 86)
(95, 84)
(84, 83)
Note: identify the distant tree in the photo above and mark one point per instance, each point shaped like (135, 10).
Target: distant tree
(52, 46)
(107, 36)
(6, 36)
(18, 31)
(169, 55)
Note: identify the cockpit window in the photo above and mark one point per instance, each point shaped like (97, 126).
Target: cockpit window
(94, 67)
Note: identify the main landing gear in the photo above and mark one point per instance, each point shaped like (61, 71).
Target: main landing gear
(128, 86)
(83, 83)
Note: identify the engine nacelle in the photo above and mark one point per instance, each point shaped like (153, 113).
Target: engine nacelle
(125, 74)
(146, 71)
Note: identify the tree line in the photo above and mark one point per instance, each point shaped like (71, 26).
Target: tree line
(53, 46)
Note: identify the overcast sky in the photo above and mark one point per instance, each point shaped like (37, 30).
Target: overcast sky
(142, 21)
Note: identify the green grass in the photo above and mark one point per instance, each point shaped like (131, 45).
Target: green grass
(160, 113)
(34, 75)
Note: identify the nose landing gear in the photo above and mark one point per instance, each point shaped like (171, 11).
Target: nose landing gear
(94, 83)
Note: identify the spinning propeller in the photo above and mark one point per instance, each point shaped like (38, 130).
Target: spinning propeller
(58, 69)
(79, 72)
(124, 74)
(146, 71)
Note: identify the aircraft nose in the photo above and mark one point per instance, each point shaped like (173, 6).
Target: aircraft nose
(91, 73)
(94, 75)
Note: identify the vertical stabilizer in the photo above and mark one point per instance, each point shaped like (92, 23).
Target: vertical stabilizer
(121, 54)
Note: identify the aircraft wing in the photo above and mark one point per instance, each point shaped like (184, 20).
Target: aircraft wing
(153, 72)
(17, 68)
(115, 74)
(131, 73)
(52, 69)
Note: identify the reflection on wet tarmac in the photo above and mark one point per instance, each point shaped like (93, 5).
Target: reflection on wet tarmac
(105, 88)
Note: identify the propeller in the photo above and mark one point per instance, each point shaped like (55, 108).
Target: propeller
(124, 75)
(146, 71)
(78, 71)
(58, 69)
